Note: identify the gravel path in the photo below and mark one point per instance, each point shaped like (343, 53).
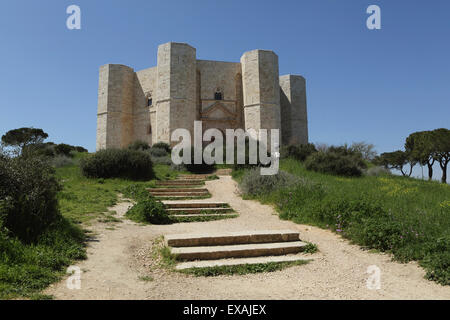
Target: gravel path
(119, 258)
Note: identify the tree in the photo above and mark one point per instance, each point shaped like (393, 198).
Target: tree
(441, 138)
(24, 137)
(367, 150)
(397, 160)
(421, 147)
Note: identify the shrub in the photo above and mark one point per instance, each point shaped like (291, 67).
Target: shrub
(178, 167)
(377, 171)
(61, 161)
(162, 145)
(337, 162)
(162, 160)
(118, 163)
(299, 152)
(437, 266)
(158, 152)
(28, 190)
(64, 149)
(80, 149)
(253, 183)
(149, 210)
(139, 145)
(137, 192)
(202, 167)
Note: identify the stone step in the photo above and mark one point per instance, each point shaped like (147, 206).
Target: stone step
(185, 194)
(194, 176)
(207, 215)
(231, 238)
(177, 189)
(239, 261)
(176, 197)
(238, 251)
(223, 172)
(179, 183)
(197, 204)
(189, 211)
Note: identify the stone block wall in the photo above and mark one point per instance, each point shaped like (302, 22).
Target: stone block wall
(294, 121)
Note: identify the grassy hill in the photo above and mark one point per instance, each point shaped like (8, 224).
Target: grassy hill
(408, 217)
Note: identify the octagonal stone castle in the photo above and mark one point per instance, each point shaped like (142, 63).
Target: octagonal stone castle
(149, 104)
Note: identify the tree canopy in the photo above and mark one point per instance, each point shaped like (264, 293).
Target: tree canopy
(23, 137)
(397, 160)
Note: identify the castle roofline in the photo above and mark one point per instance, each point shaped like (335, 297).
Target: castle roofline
(260, 50)
(177, 43)
(292, 76)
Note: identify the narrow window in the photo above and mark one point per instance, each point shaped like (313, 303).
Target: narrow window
(218, 95)
(149, 101)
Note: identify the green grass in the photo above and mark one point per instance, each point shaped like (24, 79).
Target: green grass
(146, 278)
(242, 269)
(408, 217)
(27, 269)
(83, 199)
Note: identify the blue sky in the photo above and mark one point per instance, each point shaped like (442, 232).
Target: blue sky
(371, 85)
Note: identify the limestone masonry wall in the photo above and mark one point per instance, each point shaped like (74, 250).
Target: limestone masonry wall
(149, 104)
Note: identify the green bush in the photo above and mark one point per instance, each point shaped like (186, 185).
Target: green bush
(336, 161)
(118, 163)
(28, 196)
(202, 167)
(139, 145)
(137, 192)
(149, 210)
(61, 161)
(162, 160)
(254, 183)
(377, 171)
(298, 151)
(158, 152)
(162, 145)
(178, 167)
(64, 149)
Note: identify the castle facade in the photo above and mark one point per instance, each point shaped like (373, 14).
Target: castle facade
(149, 104)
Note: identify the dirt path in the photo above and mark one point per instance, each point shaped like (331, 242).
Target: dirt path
(117, 260)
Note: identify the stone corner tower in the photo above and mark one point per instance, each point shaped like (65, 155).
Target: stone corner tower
(176, 89)
(115, 106)
(294, 120)
(261, 90)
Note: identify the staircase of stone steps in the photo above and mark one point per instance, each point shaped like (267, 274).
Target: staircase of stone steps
(179, 193)
(181, 188)
(190, 187)
(235, 248)
(204, 210)
(179, 183)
